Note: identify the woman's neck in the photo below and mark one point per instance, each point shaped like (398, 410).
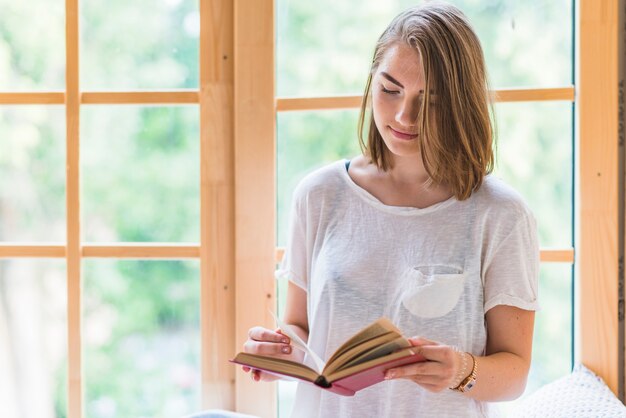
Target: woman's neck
(407, 171)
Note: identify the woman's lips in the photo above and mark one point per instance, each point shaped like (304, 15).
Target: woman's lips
(402, 135)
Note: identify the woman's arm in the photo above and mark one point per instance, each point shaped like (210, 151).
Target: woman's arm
(296, 313)
(501, 374)
(268, 342)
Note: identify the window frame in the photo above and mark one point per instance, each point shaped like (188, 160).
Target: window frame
(237, 248)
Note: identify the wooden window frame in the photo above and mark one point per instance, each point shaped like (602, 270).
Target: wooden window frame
(237, 248)
(597, 232)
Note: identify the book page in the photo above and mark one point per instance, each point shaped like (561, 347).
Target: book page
(297, 342)
(276, 365)
(348, 356)
(378, 351)
(406, 352)
(376, 329)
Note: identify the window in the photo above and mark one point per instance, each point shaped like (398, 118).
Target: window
(121, 335)
(328, 54)
(138, 173)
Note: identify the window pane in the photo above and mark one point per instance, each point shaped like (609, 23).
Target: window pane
(139, 45)
(33, 338)
(140, 171)
(32, 168)
(304, 143)
(286, 389)
(32, 45)
(321, 53)
(141, 338)
(540, 132)
(535, 156)
(552, 353)
(552, 346)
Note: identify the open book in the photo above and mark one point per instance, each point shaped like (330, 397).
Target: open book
(360, 362)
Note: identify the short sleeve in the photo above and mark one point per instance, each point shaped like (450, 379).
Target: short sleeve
(294, 265)
(511, 274)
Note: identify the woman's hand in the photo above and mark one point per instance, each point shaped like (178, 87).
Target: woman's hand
(266, 342)
(444, 368)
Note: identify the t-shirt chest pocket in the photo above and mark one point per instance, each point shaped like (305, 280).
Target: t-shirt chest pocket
(432, 291)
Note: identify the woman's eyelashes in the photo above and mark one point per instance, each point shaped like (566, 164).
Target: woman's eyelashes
(387, 91)
(433, 97)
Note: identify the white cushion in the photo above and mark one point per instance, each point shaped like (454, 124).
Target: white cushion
(577, 395)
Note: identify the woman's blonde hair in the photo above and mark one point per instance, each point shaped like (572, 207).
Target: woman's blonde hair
(456, 133)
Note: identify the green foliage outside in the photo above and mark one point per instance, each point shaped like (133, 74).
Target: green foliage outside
(139, 182)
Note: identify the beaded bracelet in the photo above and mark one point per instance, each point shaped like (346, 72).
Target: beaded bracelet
(462, 372)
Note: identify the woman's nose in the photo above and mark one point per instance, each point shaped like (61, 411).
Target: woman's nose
(408, 112)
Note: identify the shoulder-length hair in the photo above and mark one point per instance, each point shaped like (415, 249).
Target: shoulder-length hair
(456, 130)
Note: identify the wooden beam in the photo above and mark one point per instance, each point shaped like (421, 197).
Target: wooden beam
(534, 95)
(15, 250)
(47, 98)
(286, 104)
(255, 154)
(552, 255)
(621, 198)
(141, 251)
(141, 97)
(597, 153)
(169, 251)
(72, 104)
(217, 220)
(134, 250)
(556, 255)
(283, 104)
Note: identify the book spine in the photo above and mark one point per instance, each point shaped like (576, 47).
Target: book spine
(322, 382)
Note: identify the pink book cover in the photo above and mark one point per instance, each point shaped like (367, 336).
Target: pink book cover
(349, 385)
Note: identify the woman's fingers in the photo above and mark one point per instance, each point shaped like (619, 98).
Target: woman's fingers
(436, 373)
(431, 375)
(420, 341)
(263, 348)
(267, 335)
(258, 375)
(425, 368)
(266, 342)
(439, 353)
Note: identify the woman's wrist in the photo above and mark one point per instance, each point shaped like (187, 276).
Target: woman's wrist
(470, 380)
(464, 370)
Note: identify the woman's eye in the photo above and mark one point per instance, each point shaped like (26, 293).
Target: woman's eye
(384, 90)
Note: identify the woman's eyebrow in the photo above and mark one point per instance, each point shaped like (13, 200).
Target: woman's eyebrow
(393, 80)
(390, 78)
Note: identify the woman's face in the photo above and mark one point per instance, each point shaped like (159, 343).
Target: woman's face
(397, 91)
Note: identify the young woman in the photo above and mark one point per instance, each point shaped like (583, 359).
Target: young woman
(415, 230)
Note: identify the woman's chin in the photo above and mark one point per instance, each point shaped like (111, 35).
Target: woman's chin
(403, 149)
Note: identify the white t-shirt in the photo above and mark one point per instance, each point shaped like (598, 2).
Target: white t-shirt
(434, 272)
